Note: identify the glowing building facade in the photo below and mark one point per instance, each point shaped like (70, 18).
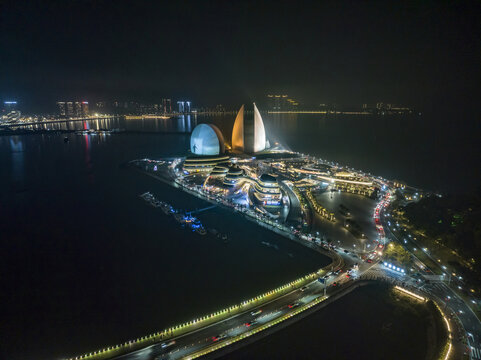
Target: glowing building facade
(206, 139)
(248, 135)
(233, 176)
(203, 163)
(267, 191)
(207, 147)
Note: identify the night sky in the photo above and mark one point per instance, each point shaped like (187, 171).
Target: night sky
(424, 54)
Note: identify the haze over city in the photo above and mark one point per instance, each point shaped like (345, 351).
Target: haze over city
(425, 55)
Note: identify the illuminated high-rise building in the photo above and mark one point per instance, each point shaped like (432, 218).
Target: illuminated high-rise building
(69, 109)
(167, 105)
(281, 103)
(77, 109)
(181, 105)
(62, 108)
(187, 107)
(85, 108)
(9, 106)
(65, 108)
(10, 113)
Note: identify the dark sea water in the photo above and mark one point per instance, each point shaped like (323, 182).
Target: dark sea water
(86, 264)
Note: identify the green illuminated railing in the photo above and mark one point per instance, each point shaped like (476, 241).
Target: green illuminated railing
(257, 330)
(182, 329)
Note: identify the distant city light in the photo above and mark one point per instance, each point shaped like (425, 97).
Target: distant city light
(10, 102)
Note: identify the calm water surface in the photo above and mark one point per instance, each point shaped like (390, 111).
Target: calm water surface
(86, 263)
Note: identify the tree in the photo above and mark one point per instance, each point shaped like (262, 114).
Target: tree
(396, 252)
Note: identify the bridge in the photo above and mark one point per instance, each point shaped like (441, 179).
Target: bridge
(247, 320)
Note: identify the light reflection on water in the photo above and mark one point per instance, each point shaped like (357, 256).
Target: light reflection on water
(176, 124)
(85, 258)
(17, 149)
(421, 151)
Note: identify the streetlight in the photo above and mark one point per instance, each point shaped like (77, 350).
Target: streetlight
(446, 303)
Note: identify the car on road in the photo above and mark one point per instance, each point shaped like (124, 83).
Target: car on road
(293, 305)
(255, 313)
(369, 261)
(304, 288)
(167, 344)
(334, 283)
(347, 252)
(250, 323)
(219, 337)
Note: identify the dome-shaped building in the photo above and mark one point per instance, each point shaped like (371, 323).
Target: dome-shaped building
(207, 147)
(206, 139)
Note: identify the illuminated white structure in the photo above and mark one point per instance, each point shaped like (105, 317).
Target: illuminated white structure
(248, 135)
(238, 131)
(206, 139)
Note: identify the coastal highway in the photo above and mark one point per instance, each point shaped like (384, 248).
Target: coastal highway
(185, 345)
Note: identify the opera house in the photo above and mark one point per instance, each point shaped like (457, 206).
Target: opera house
(208, 148)
(238, 176)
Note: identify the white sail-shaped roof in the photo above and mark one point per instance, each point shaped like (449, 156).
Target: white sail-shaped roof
(238, 131)
(248, 136)
(259, 131)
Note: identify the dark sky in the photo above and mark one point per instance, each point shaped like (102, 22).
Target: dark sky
(419, 53)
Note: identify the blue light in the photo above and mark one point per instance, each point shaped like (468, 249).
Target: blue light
(9, 102)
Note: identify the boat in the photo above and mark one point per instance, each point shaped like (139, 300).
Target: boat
(156, 203)
(146, 195)
(165, 208)
(179, 217)
(201, 231)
